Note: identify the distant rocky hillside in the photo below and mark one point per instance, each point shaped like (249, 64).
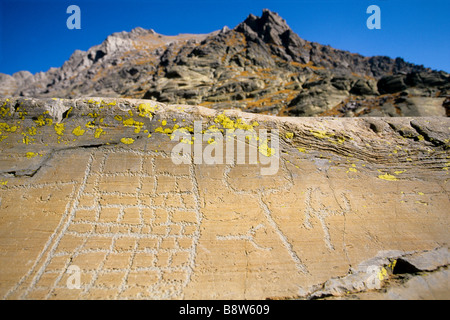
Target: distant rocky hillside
(260, 66)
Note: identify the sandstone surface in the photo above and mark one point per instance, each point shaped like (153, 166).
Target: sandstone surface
(358, 207)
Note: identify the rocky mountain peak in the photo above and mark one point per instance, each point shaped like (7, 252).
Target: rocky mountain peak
(269, 27)
(141, 31)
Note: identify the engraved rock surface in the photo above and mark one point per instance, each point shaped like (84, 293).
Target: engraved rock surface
(91, 183)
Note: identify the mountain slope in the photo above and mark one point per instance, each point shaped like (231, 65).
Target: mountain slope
(259, 66)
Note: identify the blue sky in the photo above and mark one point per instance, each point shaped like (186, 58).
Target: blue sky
(34, 36)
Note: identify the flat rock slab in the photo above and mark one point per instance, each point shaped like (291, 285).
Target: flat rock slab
(89, 190)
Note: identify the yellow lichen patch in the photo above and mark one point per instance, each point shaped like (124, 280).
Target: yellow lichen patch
(240, 124)
(131, 123)
(302, 150)
(41, 121)
(421, 138)
(93, 101)
(68, 112)
(399, 172)
(264, 149)
(341, 140)
(321, 134)
(26, 139)
(146, 110)
(213, 128)
(30, 155)
(95, 120)
(387, 177)
(392, 265)
(128, 122)
(32, 131)
(226, 122)
(5, 111)
(420, 193)
(249, 137)
(21, 114)
(163, 123)
(78, 131)
(289, 135)
(382, 274)
(231, 125)
(89, 125)
(352, 170)
(118, 118)
(5, 127)
(59, 128)
(331, 137)
(127, 140)
(98, 132)
(211, 141)
(3, 182)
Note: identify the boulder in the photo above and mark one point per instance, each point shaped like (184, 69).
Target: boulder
(118, 192)
(391, 84)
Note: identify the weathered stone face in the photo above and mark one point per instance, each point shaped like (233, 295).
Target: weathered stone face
(91, 183)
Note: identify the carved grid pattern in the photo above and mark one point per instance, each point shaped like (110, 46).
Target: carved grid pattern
(132, 230)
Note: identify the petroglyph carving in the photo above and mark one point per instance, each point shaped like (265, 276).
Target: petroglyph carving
(249, 236)
(321, 212)
(150, 246)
